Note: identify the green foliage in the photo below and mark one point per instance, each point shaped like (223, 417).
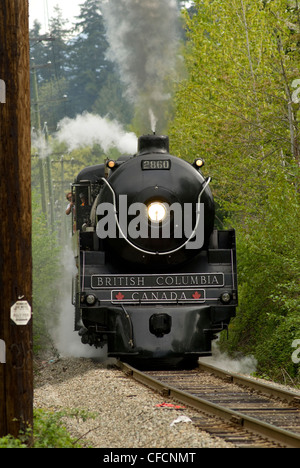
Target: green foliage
(269, 270)
(48, 431)
(236, 111)
(46, 269)
(11, 442)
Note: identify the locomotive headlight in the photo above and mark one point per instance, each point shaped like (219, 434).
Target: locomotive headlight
(157, 212)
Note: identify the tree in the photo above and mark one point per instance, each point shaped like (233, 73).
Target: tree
(16, 375)
(58, 50)
(73, 74)
(90, 68)
(238, 109)
(50, 68)
(235, 105)
(111, 101)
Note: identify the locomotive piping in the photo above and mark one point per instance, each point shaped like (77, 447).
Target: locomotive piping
(83, 269)
(149, 252)
(131, 342)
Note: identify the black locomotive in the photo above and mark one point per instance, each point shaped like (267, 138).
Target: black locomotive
(156, 281)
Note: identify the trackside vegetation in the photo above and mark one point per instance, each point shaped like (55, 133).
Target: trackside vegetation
(49, 431)
(239, 109)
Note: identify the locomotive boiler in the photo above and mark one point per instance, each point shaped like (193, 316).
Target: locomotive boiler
(156, 281)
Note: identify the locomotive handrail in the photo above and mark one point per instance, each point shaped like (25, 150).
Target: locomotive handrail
(149, 252)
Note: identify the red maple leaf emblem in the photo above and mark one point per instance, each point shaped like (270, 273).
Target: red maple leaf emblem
(120, 296)
(196, 295)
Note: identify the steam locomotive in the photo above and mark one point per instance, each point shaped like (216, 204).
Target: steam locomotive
(155, 282)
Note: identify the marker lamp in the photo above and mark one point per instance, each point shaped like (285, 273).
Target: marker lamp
(226, 297)
(111, 164)
(198, 163)
(91, 299)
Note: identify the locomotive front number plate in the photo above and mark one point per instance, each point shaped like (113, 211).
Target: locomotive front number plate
(157, 296)
(180, 281)
(156, 165)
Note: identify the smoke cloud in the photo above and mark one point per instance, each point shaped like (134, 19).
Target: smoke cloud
(144, 39)
(89, 129)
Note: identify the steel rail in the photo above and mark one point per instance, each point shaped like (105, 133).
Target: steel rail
(276, 434)
(291, 397)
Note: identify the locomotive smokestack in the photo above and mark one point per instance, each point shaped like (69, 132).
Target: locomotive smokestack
(153, 143)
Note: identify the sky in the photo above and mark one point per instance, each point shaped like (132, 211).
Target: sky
(42, 10)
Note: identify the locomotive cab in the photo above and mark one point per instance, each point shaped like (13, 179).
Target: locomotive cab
(156, 281)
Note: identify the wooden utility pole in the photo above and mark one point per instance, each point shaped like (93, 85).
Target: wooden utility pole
(16, 375)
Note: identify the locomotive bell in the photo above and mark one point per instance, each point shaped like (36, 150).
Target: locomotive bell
(153, 143)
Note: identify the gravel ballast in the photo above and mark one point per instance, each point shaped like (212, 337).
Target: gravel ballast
(125, 414)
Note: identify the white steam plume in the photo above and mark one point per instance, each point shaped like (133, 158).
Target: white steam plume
(242, 365)
(144, 39)
(67, 341)
(40, 145)
(89, 129)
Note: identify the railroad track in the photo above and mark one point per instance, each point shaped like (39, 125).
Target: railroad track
(240, 410)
